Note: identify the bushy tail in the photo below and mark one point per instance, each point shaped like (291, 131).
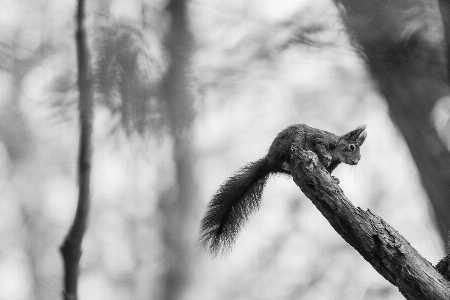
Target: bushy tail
(231, 206)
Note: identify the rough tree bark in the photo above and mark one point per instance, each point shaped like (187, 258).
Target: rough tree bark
(402, 42)
(380, 244)
(71, 247)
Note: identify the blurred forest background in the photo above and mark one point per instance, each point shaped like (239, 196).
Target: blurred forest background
(184, 99)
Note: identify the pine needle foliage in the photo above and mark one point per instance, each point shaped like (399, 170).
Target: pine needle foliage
(127, 77)
(128, 68)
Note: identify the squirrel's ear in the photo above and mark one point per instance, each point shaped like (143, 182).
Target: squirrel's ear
(358, 135)
(362, 136)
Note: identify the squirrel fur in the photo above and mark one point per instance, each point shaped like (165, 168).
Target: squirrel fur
(240, 195)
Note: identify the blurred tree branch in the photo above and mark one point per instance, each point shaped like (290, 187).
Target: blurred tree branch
(71, 247)
(382, 246)
(9, 61)
(402, 44)
(305, 28)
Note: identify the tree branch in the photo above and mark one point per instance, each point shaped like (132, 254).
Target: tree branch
(381, 245)
(71, 248)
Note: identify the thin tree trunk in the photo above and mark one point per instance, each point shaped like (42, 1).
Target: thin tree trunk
(71, 247)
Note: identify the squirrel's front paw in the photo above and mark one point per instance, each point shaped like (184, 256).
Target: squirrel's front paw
(335, 179)
(326, 160)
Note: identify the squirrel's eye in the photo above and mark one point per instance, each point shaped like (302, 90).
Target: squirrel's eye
(352, 147)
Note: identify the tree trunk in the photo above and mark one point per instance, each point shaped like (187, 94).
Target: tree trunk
(402, 44)
(178, 205)
(71, 247)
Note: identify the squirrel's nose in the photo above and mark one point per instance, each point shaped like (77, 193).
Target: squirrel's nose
(354, 161)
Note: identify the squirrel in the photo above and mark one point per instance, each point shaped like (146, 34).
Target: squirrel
(240, 195)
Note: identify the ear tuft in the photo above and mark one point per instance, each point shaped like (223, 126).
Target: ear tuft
(363, 134)
(358, 135)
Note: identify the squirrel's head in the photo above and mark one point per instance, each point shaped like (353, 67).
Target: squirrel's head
(347, 148)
